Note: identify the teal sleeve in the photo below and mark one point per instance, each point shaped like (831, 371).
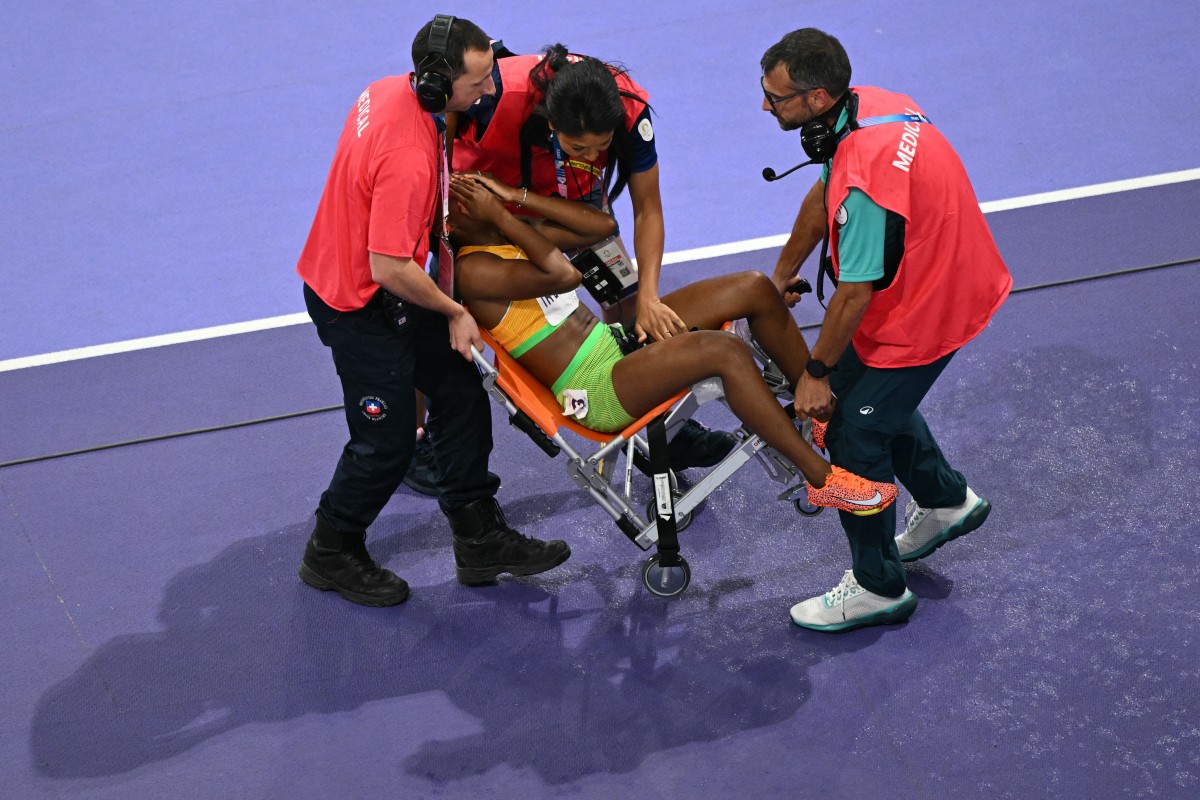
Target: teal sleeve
(860, 239)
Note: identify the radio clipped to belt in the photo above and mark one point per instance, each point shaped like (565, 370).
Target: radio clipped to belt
(395, 311)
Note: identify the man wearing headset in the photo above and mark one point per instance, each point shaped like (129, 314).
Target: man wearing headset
(392, 331)
(917, 277)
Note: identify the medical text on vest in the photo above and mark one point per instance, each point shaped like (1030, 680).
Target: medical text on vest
(364, 109)
(907, 149)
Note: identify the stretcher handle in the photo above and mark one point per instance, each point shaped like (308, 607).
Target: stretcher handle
(519, 419)
(516, 417)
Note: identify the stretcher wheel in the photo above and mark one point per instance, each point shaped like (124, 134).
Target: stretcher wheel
(681, 520)
(666, 581)
(806, 508)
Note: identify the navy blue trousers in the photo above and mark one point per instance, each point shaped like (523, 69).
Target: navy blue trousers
(877, 432)
(380, 368)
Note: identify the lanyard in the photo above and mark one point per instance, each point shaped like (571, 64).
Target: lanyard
(443, 171)
(867, 122)
(444, 258)
(560, 171)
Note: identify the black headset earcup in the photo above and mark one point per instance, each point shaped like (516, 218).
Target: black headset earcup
(433, 91)
(434, 88)
(819, 141)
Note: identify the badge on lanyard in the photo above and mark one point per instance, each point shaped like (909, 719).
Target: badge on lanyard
(560, 172)
(609, 274)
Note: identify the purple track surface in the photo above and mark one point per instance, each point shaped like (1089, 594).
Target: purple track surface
(160, 175)
(161, 163)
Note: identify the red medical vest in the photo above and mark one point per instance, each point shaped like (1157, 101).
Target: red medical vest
(499, 151)
(951, 279)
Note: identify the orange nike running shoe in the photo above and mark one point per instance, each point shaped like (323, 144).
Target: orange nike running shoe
(846, 491)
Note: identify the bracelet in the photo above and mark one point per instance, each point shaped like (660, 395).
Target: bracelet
(524, 197)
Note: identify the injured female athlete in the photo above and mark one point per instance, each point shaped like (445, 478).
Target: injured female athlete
(517, 283)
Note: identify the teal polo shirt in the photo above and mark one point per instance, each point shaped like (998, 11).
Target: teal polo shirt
(862, 230)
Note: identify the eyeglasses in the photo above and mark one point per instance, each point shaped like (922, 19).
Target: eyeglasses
(775, 101)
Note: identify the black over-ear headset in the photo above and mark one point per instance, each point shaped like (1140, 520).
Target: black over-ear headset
(434, 82)
(820, 142)
(818, 139)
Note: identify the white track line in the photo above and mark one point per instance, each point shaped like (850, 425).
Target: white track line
(677, 257)
(152, 341)
(1061, 196)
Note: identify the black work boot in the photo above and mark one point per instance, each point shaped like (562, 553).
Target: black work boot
(340, 562)
(693, 446)
(484, 546)
(423, 475)
(696, 446)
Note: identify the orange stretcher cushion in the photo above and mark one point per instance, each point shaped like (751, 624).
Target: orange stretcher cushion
(529, 395)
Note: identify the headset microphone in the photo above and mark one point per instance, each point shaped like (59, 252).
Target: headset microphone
(769, 174)
(820, 141)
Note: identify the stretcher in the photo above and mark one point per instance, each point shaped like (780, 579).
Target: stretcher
(607, 473)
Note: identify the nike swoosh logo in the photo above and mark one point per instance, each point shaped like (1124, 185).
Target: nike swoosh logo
(873, 501)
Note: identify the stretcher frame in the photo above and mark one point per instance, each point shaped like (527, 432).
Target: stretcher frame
(532, 408)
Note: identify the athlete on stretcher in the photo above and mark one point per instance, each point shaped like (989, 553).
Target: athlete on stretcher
(517, 283)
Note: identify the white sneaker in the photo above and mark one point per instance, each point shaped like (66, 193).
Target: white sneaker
(927, 529)
(848, 606)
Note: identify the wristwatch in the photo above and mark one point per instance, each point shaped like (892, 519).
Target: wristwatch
(818, 369)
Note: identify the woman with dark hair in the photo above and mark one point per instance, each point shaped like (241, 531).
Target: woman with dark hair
(576, 127)
(518, 284)
(579, 128)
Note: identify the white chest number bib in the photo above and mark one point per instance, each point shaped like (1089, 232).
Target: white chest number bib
(557, 307)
